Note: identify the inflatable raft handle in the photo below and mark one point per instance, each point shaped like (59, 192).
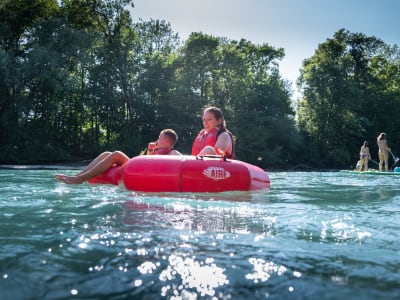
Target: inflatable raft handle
(201, 157)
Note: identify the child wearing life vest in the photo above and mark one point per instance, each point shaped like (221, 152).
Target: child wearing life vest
(214, 139)
(106, 160)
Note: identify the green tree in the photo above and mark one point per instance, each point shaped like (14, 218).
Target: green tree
(16, 16)
(264, 116)
(16, 19)
(156, 55)
(243, 80)
(80, 78)
(345, 99)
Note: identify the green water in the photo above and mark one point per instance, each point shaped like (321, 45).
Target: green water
(314, 235)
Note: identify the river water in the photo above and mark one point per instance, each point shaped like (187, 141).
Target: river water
(313, 235)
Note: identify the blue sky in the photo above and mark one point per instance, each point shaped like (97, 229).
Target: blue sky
(298, 26)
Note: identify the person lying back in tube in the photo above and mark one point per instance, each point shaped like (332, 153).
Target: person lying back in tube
(163, 146)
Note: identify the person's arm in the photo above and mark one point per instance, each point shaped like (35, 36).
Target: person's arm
(224, 142)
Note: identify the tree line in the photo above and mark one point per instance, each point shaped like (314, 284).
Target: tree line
(78, 77)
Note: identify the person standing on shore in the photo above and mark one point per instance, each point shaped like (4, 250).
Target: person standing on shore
(365, 156)
(383, 151)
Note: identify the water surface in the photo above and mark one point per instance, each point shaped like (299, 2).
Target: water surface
(314, 235)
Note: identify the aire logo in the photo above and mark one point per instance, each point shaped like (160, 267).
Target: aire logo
(216, 173)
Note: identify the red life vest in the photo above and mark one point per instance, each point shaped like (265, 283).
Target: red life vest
(204, 139)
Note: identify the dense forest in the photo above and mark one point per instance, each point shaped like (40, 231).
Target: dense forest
(78, 77)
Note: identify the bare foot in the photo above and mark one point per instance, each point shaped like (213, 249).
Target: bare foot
(59, 177)
(68, 179)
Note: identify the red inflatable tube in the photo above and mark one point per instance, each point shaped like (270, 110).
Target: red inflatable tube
(173, 173)
(169, 173)
(112, 176)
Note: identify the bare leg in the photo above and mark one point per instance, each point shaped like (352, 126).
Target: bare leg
(95, 161)
(98, 168)
(387, 162)
(366, 164)
(381, 159)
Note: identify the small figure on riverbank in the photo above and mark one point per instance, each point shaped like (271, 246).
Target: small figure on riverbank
(365, 156)
(383, 151)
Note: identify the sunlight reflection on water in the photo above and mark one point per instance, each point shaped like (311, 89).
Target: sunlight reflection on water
(203, 276)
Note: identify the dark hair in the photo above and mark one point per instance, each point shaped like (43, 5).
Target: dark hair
(171, 134)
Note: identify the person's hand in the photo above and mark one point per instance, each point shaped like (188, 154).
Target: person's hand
(151, 148)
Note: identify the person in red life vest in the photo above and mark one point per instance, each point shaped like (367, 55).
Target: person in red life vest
(163, 146)
(214, 139)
